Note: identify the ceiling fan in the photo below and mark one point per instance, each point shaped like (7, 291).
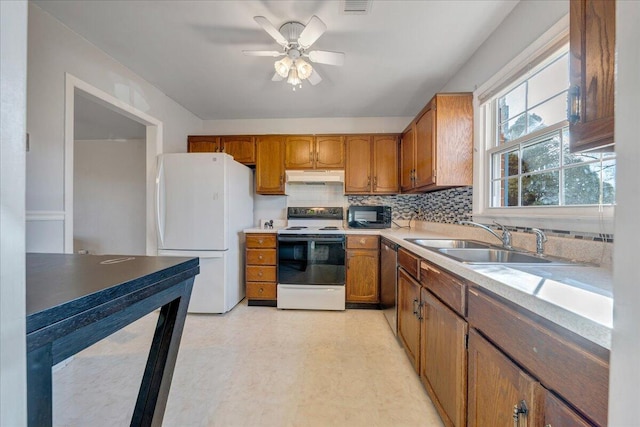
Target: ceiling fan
(296, 39)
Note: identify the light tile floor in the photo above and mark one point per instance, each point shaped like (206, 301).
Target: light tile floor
(254, 366)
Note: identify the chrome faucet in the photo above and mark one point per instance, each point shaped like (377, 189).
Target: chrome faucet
(506, 234)
(541, 238)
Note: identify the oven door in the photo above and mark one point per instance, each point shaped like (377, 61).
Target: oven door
(311, 259)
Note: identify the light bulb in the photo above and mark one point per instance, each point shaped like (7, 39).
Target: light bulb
(293, 77)
(304, 68)
(282, 66)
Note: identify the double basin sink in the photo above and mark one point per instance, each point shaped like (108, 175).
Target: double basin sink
(475, 252)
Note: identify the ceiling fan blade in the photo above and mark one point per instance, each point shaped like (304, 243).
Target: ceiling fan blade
(312, 32)
(276, 78)
(326, 57)
(314, 78)
(271, 30)
(273, 53)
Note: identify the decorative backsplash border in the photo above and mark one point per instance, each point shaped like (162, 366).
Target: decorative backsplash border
(450, 206)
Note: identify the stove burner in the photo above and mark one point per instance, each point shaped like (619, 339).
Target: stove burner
(298, 227)
(329, 228)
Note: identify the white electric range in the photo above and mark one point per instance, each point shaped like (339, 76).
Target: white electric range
(311, 259)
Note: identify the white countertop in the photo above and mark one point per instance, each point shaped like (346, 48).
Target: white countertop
(578, 298)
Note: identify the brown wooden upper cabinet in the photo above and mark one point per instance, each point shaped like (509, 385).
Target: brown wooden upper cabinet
(437, 147)
(242, 148)
(592, 68)
(270, 164)
(319, 152)
(372, 164)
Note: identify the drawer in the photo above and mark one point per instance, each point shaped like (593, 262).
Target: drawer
(451, 290)
(260, 290)
(408, 261)
(260, 273)
(261, 240)
(363, 242)
(261, 256)
(554, 358)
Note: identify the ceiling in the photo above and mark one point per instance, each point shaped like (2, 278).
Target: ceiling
(397, 56)
(94, 121)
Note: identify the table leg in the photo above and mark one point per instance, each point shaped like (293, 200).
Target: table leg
(39, 387)
(154, 390)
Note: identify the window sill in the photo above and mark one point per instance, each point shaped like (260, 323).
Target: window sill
(565, 219)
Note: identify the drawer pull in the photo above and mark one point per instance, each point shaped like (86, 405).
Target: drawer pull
(433, 270)
(260, 273)
(261, 290)
(260, 241)
(362, 241)
(260, 257)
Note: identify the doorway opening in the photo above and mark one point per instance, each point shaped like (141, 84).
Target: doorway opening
(110, 160)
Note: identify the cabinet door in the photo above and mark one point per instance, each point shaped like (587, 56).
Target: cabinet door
(270, 165)
(407, 159)
(362, 276)
(203, 144)
(329, 152)
(242, 148)
(497, 388)
(425, 148)
(592, 69)
(358, 168)
(408, 316)
(558, 414)
(299, 153)
(385, 165)
(443, 359)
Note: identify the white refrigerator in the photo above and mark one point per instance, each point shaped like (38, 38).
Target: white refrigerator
(203, 202)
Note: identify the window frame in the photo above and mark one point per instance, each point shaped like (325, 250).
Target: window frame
(591, 219)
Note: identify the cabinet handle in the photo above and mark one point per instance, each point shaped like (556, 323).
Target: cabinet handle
(260, 241)
(260, 273)
(260, 257)
(415, 307)
(261, 290)
(419, 315)
(281, 180)
(368, 181)
(310, 156)
(520, 408)
(375, 182)
(362, 241)
(316, 157)
(429, 268)
(574, 105)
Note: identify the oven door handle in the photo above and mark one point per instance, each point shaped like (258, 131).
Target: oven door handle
(311, 239)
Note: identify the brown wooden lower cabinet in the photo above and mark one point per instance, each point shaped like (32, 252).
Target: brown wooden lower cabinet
(498, 390)
(408, 316)
(260, 268)
(443, 359)
(363, 269)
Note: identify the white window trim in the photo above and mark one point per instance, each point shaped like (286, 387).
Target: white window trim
(598, 219)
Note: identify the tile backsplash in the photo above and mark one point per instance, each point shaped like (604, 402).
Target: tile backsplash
(448, 206)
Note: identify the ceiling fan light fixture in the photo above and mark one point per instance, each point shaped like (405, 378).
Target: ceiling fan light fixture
(304, 68)
(283, 66)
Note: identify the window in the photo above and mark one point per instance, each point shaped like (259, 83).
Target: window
(528, 169)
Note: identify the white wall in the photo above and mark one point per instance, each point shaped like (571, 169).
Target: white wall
(625, 368)
(526, 22)
(307, 126)
(13, 94)
(109, 203)
(53, 49)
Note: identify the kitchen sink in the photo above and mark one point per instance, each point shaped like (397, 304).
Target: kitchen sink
(448, 243)
(499, 256)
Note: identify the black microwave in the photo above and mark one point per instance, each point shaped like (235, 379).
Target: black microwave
(369, 217)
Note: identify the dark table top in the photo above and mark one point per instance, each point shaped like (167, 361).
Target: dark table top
(58, 285)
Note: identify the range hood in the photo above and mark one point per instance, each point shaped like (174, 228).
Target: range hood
(315, 177)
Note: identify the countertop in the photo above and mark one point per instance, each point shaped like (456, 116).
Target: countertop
(578, 298)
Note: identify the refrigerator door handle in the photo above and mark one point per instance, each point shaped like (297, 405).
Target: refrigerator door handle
(159, 203)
